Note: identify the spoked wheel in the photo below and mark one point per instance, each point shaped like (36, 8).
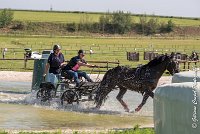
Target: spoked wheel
(91, 97)
(69, 97)
(45, 94)
(39, 94)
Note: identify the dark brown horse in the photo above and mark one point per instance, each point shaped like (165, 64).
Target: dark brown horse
(143, 79)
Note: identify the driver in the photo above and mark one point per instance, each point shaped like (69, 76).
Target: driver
(72, 68)
(55, 61)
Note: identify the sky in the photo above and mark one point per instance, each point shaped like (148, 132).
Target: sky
(184, 8)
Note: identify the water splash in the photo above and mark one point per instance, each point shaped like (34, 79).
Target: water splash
(111, 106)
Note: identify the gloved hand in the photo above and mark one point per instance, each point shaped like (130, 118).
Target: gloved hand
(94, 66)
(44, 75)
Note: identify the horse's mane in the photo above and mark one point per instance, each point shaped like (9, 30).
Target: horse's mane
(156, 61)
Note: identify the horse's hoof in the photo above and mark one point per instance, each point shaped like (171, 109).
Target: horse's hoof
(95, 108)
(127, 110)
(137, 109)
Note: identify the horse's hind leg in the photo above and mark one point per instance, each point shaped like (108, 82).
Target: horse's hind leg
(120, 96)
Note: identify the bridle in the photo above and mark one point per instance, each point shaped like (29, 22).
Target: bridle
(170, 63)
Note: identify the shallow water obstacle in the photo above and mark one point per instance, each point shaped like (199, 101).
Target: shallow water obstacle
(187, 76)
(177, 108)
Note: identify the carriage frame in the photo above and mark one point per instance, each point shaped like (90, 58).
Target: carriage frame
(66, 90)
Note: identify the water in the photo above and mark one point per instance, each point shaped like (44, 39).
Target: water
(19, 109)
(17, 87)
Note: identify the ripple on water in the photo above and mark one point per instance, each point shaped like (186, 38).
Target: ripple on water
(53, 115)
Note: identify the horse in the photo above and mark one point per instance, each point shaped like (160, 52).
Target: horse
(142, 79)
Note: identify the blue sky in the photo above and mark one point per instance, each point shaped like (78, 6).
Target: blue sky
(186, 8)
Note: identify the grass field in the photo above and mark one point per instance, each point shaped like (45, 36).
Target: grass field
(61, 17)
(131, 131)
(54, 16)
(135, 130)
(105, 49)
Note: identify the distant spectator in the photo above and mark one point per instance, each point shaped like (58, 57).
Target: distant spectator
(4, 52)
(27, 53)
(91, 51)
(194, 56)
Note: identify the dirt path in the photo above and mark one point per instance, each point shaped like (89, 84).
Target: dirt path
(27, 77)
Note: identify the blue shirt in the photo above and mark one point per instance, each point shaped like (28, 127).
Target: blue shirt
(55, 62)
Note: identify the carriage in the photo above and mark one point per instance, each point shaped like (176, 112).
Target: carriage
(66, 90)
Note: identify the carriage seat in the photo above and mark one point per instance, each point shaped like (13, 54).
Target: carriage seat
(65, 75)
(47, 85)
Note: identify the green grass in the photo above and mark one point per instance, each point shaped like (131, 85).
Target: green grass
(143, 131)
(3, 132)
(134, 130)
(54, 16)
(104, 43)
(105, 49)
(138, 131)
(61, 17)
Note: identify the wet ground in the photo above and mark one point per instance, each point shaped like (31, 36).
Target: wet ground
(19, 109)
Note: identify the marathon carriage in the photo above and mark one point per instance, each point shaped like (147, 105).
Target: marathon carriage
(66, 90)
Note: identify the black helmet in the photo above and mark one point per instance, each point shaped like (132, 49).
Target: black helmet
(55, 47)
(81, 52)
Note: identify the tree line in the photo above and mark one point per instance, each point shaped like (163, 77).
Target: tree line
(121, 23)
(112, 23)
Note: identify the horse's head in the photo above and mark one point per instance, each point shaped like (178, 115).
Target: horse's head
(165, 62)
(172, 66)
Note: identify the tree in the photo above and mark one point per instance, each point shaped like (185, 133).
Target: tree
(118, 22)
(143, 23)
(85, 23)
(71, 27)
(105, 22)
(167, 27)
(121, 22)
(6, 17)
(149, 26)
(170, 26)
(152, 26)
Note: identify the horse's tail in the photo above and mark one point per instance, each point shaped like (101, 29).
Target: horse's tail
(104, 88)
(101, 89)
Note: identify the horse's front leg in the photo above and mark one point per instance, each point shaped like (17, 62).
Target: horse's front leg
(145, 97)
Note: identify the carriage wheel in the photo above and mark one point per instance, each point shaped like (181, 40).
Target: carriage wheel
(69, 96)
(39, 94)
(53, 93)
(90, 97)
(45, 94)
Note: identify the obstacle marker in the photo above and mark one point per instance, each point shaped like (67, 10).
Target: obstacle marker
(177, 108)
